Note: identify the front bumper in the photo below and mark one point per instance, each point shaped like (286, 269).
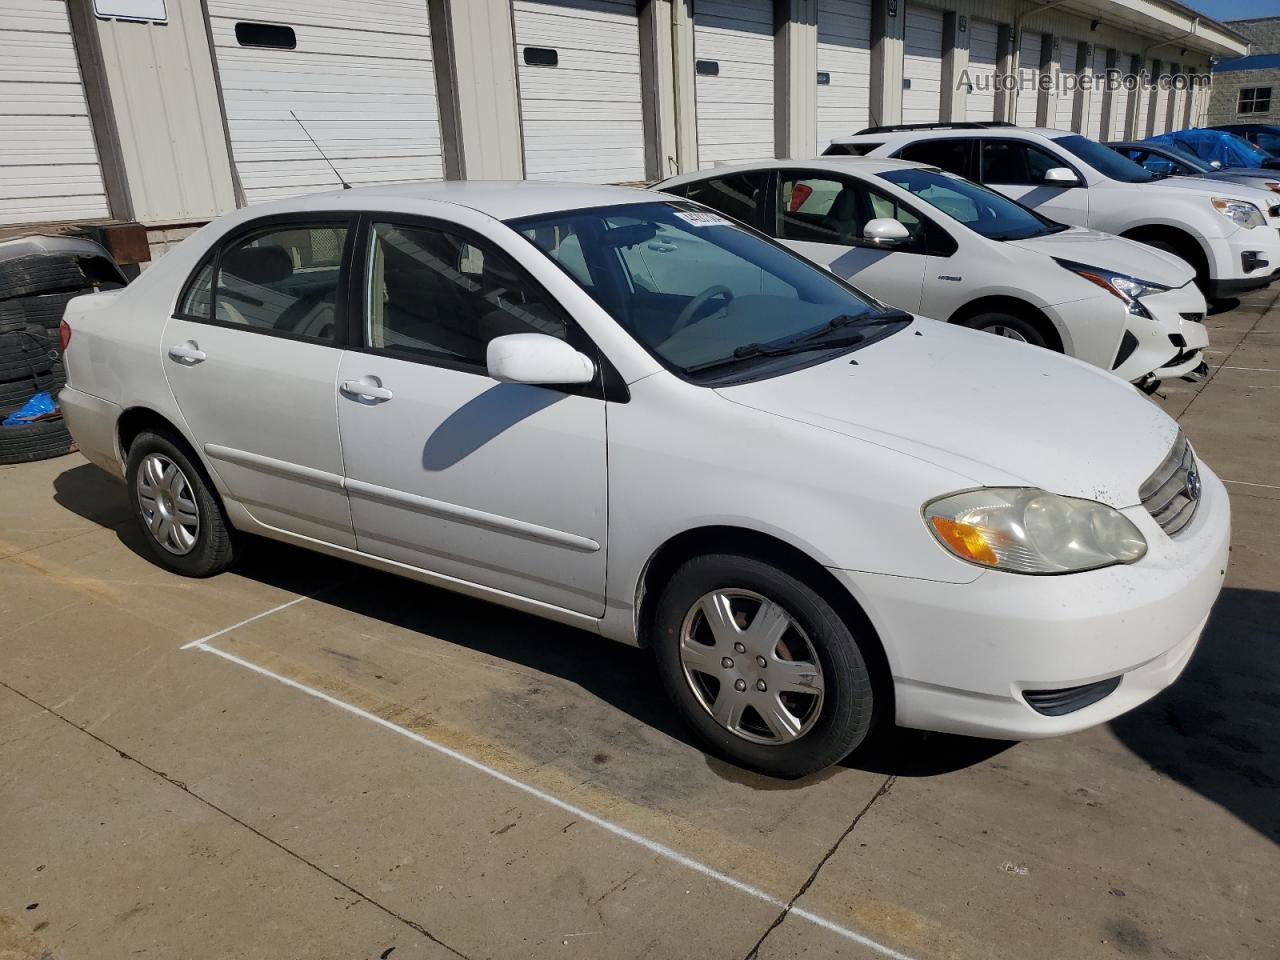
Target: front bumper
(1171, 342)
(1246, 260)
(963, 655)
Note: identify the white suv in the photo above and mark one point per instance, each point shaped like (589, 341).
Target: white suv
(936, 244)
(1228, 233)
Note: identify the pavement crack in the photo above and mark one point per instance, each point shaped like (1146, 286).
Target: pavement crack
(173, 781)
(754, 952)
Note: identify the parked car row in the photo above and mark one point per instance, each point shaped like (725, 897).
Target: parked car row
(642, 413)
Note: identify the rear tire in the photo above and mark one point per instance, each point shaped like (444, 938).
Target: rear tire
(179, 515)
(1008, 325)
(818, 674)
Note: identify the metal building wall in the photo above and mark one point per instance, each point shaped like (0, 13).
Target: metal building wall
(167, 120)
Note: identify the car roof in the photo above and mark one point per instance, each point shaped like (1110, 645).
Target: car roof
(501, 199)
(869, 166)
(943, 133)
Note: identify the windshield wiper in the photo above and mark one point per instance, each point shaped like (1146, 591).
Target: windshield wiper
(749, 350)
(873, 319)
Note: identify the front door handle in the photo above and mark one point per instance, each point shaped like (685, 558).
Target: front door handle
(369, 389)
(189, 352)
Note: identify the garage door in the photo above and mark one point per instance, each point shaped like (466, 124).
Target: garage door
(844, 68)
(1099, 70)
(48, 161)
(357, 73)
(1120, 99)
(1160, 124)
(983, 44)
(922, 65)
(1066, 96)
(733, 48)
(1028, 74)
(579, 70)
(1178, 102)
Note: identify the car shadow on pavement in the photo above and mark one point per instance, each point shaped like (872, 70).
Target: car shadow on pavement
(1214, 731)
(1217, 730)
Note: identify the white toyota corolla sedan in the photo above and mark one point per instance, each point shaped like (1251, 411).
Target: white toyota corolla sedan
(820, 513)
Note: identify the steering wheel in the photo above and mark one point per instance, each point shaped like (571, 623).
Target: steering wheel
(700, 301)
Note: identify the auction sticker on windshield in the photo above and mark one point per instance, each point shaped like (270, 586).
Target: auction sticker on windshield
(699, 218)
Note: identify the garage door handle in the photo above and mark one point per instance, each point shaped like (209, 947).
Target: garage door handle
(366, 391)
(187, 352)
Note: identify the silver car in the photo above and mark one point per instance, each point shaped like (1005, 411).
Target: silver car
(1164, 160)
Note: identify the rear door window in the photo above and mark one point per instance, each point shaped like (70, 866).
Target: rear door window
(738, 196)
(954, 156)
(281, 279)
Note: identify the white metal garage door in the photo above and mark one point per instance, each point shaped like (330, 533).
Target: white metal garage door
(1028, 75)
(1066, 95)
(48, 161)
(922, 65)
(844, 62)
(1161, 94)
(733, 47)
(360, 78)
(1178, 101)
(980, 104)
(579, 69)
(1099, 70)
(1120, 99)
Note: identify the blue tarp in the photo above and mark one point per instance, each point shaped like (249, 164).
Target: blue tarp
(1210, 145)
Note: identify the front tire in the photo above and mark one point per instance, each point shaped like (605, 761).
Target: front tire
(176, 508)
(762, 668)
(1008, 325)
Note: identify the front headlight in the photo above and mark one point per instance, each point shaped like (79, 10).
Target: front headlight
(1126, 288)
(1027, 530)
(1241, 211)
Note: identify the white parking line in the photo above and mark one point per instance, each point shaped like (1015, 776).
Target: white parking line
(237, 626)
(617, 830)
(1246, 483)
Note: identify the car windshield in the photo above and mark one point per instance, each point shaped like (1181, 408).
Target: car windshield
(983, 211)
(1106, 161)
(705, 295)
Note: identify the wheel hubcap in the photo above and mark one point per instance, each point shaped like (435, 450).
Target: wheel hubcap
(1000, 330)
(167, 504)
(773, 694)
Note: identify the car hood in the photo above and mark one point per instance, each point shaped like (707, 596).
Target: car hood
(1112, 253)
(1258, 196)
(992, 410)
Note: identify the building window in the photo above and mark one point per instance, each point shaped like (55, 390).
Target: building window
(272, 35)
(541, 57)
(1254, 100)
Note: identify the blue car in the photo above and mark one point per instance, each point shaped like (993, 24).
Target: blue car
(1218, 148)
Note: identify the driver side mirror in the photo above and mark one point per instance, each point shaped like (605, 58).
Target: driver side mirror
(536, 358)
(1061, 177)
(885, 232)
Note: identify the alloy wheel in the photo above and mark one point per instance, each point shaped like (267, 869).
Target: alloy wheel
(167, 504)
(751, 666)
(1000, 330)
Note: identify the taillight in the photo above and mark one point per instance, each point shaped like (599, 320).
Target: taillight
(64, 335)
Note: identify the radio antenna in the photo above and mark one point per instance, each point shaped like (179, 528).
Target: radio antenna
(345, 185)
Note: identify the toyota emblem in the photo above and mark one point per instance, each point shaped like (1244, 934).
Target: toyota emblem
(1193, 483)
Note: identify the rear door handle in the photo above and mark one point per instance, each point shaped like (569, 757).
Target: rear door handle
(188, 352)
(366, 390)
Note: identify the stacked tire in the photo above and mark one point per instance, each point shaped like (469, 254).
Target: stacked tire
(34, 293)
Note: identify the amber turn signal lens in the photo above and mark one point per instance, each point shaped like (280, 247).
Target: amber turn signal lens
(965, 539)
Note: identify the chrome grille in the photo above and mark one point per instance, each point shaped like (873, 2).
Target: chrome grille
(1172, 493)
